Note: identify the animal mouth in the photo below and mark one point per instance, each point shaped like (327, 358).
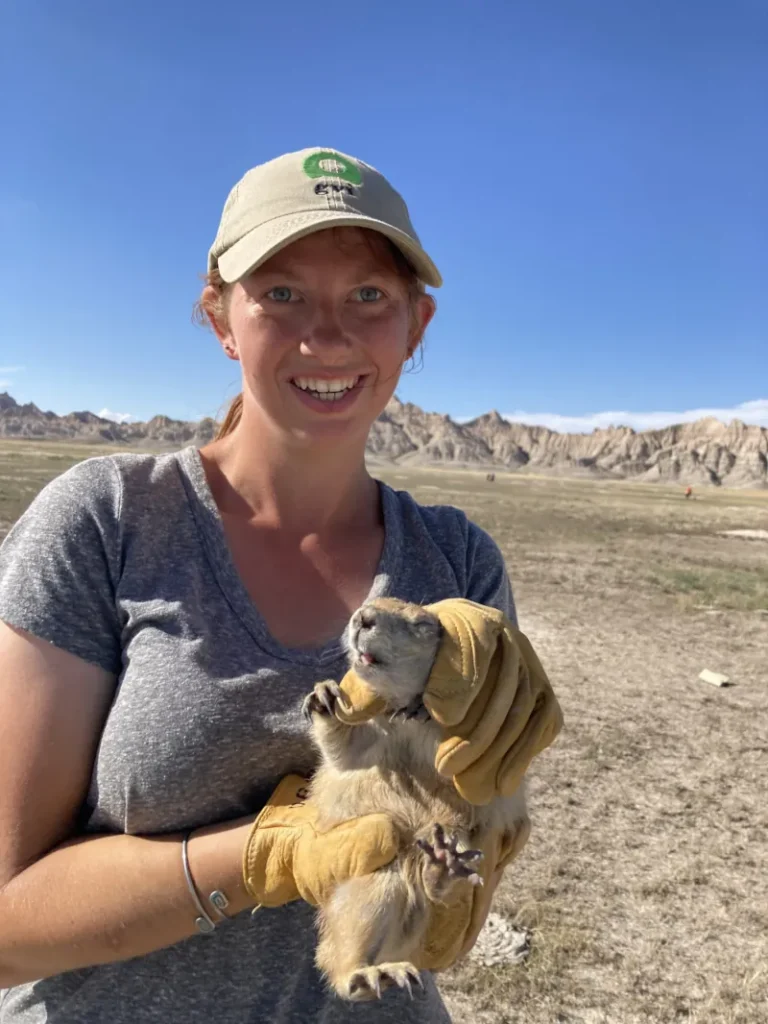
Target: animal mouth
(326, 390)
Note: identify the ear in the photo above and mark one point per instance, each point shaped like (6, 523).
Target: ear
(422, 316)
(211, 302)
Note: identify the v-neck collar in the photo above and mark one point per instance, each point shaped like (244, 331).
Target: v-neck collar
(212, 534)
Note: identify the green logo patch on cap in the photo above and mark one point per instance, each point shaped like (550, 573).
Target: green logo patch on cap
(330, 164)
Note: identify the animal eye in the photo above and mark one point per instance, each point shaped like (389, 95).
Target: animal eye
(368, 293)
(280, 293)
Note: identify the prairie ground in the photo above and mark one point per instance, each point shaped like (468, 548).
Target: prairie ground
(645, 881)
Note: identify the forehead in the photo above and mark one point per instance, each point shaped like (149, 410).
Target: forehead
(348, 247)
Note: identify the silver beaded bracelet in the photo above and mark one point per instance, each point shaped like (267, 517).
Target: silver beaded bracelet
(203, 922)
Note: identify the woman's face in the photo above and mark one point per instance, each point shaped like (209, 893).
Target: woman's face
(322, 331)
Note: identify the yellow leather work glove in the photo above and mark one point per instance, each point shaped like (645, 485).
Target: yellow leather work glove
(488, 691)
(455, 924)
(287, 858)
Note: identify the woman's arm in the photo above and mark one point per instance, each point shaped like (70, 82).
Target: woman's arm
(67, 903)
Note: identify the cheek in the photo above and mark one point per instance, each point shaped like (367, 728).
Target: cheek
(261, 336)
(387, 336)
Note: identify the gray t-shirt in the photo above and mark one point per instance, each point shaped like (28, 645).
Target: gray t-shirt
(123, 561)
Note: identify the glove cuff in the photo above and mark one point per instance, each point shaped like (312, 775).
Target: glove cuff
(264, 861)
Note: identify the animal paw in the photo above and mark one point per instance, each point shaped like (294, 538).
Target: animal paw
(370, 982)
(413, 712)
(322, 700)
(447, 862)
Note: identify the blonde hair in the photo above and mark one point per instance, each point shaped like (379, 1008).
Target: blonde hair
(207, 310)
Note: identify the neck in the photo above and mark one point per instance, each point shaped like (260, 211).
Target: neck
(297, 489)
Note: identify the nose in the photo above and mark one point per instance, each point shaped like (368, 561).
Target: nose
(367, 618)
(325, 336)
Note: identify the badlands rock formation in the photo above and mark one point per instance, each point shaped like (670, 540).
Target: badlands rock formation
(706, 452)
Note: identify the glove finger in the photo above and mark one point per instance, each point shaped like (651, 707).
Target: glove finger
(362, 702)
(508, 697)
(463, 744)
(470, 638)
(541, 730)
(478, 782)
(454, 922)
(446, 933)
(324, 860)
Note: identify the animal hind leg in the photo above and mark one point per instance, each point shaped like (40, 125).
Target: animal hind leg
(364, 937)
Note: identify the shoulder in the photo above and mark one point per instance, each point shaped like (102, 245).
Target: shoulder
(97, 486)
(78, 517)
(62, 561)
(475, 559)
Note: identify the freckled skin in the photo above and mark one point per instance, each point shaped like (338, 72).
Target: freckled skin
(374, 926)
(331, 304)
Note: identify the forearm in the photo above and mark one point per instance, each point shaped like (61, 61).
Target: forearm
(99, 899)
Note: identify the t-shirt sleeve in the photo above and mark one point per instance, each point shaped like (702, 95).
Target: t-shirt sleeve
(487, 577)
(60, 563)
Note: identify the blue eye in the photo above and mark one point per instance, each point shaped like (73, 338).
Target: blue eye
(368, 293)
(280, 294)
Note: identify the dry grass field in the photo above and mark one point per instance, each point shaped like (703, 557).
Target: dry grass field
(645, 882)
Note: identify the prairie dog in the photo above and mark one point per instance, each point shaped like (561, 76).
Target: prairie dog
(372, 926)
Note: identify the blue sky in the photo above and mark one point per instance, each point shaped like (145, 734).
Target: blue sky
(589, 175)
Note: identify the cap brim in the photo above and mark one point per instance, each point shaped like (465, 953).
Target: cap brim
(267, 239)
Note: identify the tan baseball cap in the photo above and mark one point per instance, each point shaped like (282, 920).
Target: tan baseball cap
(294, 195)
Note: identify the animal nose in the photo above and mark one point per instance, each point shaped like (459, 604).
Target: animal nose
(367, 618)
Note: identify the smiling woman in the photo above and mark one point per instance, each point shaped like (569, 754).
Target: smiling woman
(390, 274)
(163, 617)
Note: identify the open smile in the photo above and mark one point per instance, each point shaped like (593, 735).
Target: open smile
(332, 390)
(328, 394)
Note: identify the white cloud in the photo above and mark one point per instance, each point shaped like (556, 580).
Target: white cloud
(755, 412)
(116, 417)
(5, 372)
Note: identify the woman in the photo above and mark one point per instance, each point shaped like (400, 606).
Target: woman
(164, 616)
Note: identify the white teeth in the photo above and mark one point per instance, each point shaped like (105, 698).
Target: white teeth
(327, 389)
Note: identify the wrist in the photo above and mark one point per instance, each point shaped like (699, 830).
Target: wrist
(215, 855)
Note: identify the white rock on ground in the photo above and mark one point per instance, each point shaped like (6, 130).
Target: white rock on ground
(500, 943)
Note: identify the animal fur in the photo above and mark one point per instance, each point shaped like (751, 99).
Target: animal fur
(373, 926)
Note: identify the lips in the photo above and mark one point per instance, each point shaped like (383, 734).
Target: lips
(325, 389)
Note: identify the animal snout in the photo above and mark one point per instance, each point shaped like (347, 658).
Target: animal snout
(367, 618)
